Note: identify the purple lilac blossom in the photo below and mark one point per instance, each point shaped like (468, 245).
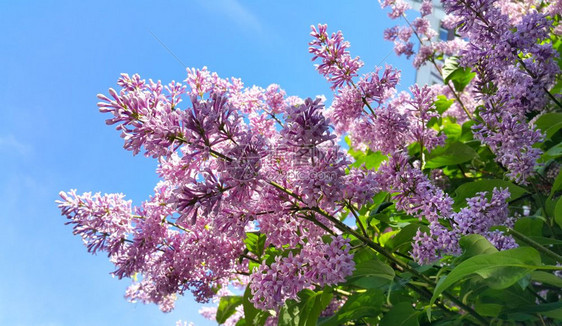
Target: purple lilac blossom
(337, 65)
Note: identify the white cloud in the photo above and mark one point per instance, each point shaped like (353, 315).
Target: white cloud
(235, 11)
(9, 143)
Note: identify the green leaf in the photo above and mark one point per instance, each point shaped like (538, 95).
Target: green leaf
(553, 309)
(557, 185)
(227, 307)
(452, 154)
(306, 311)
(372, 274)
(511, 297)
(467, 134)
(380, 207)
(404, 238)
(470, 189)
(554, 314)
(552, 153)
(501, 269)
(401, 314)
(553, 130)
(474, 245)
(442, 103)
(255, 242)
(545, 240)
(558, 212)
(488, 309)
(451, 64)
(548, 278)
(460, 77)
(371, 160)
(452, 129)
(363, 255)
(548, 120)
(529, 226)
(358, 305)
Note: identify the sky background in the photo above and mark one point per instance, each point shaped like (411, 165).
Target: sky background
(55, 56)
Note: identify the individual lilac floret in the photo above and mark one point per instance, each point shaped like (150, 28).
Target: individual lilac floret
(337, 65)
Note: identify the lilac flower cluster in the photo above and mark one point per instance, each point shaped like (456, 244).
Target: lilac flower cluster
(103, 222)
(415, 194)
(420, 27)
(237, 159)
(337, 65)
(515, 68)
(477, 218)
(317, 264)
(218, 173)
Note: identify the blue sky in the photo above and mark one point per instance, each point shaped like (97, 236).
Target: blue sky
(55, 56)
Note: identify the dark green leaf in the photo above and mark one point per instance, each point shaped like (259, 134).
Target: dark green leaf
(363, 255)
(372, 274)
(529, 226)
(401, 314)
(557, 185)
(553, 310)
(405, 236)
(545, 240)
(511, 297)
(553, 130)
(381, 207)
(488, 309)
(558, 212)
(501, 269)
(548, 120)
(366, 304)
(547, 278)
(451, 154)
(552, 153)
